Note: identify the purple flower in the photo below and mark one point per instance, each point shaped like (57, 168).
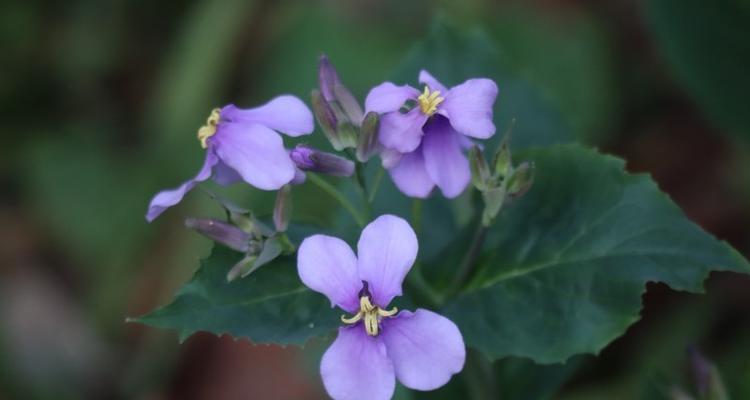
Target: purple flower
(425, 145)
(241, 144)
(422, 349)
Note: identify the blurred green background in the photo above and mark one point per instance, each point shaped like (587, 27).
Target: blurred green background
(101, 102)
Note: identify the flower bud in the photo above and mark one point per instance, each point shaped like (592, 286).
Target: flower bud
(501, 162)
(480, 171)
(367, 144)
(221, 232)
(494, 198)
(271, 249)
(326, 118)
(309, 159)
(336, 94)
(521, 179)
(282, 209)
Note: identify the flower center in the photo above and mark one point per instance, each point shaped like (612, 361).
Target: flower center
(369, 313)
(209, 129)
(428, 101)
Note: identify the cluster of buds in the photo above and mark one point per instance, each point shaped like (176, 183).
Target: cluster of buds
(246, 234)
(340, 116)
(501, 181)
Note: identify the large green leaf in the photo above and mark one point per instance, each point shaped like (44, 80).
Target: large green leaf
(706, 45)
(269, 306)
(564, 269)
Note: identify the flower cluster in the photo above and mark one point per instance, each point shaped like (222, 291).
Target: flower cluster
(422, 138)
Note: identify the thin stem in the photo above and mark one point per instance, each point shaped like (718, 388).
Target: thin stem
(376, 185)
(362, 188)
(416, 215)
(335, 193)
(466, 269)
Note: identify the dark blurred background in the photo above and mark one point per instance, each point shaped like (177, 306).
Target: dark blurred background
(101, 102)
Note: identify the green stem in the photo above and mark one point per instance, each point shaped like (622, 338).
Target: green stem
(466, 269)
(416, 215)
(362, 189)
(336, 194)
(376, 185)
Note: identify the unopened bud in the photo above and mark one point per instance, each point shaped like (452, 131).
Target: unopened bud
(521, 179)
(480, 171)
(242, 268)
(309, 159)
(326, 118)
(270, 250)
(494, 198)
(221, 232)
(282, 209)
(347, 134)
(501, 162)
(367, 144)
(336, 94)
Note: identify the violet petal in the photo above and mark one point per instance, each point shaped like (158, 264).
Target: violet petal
(444, 160)
(426, 348)
(388, 97)
(402, 132)
(469, 107)
(426, 78)
(411, 177)
(256, 152)
(386, 252)
(286, 114)
(168, 198)
(328, 265)
(357, 367)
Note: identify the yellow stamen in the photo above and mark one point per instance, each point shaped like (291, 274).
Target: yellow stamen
(371, 314)
(429, 101)
(209, 129)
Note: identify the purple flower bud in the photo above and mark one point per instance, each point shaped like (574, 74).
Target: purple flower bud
(335, 93)
(221, 232)
(309, 159)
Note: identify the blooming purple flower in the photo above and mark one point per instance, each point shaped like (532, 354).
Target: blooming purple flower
(241, 144)
(425, 146)
(422, 349)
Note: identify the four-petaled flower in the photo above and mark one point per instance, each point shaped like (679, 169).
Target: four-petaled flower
(424, 146)
(241, 144)
(422, 349)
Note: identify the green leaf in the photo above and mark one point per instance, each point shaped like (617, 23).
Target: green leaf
(565, 267)
(706, 45)
(269, 306)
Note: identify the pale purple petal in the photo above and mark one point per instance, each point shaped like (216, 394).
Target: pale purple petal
(469, 107)
(426, 78)
(225, 176)
(168, 198)
(286, 114)
(402, 132)
(257, 153)
(386, 251)
(390, 158)
(356, 367)
(444, 160)
(328, 265)
(426, 348)
(410, 175)
(388, 97)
